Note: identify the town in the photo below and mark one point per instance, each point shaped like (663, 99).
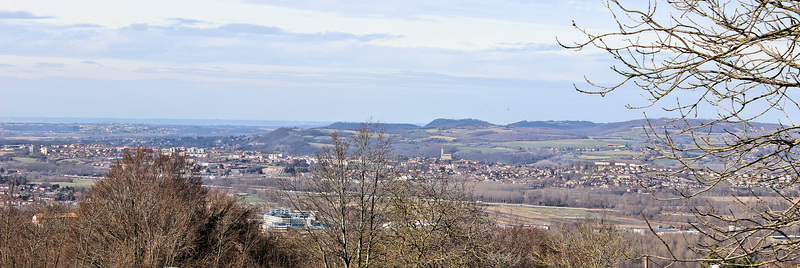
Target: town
(28, 163)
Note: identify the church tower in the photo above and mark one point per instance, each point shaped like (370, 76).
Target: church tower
(444, 156)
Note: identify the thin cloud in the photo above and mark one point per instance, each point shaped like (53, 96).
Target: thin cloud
(243, 29)
(337, 36)
(186, 21)
(23, 15)
(83, 25)
(49, 65)
(90, 62)
(250, 29)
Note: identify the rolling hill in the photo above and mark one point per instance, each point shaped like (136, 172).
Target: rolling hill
(524, 142)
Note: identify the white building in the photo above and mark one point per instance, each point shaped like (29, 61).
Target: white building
(284, 218)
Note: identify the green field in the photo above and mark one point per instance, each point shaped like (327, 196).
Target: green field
(637, 134)
(466, 131)
(252, 199)
(590, 157)
(73, 161)
(484, 149)
(24, 159)
(612, 154)
(665, 162)
(74, 183)
(541, 215)
(318, 145)
(463, 132)
(585, 143)
(447, 138)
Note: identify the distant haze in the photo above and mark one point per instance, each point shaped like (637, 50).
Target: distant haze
(195, 122)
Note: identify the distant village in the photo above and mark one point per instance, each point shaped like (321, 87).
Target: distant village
(219, 164)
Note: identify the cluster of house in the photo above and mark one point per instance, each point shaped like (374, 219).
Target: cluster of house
(601, 174)
(34, 194)
(218, 163)
(78, 151)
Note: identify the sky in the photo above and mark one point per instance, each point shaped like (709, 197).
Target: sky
(404, 61)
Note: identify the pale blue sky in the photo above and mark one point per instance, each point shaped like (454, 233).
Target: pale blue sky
(395, 61)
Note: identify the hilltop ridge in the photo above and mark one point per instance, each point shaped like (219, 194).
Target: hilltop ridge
(524, 142)
(454, 123)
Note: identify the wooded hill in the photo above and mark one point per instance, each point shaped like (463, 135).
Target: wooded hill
(524, 142)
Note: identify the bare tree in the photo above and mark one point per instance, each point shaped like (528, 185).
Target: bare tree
(589, 243)
(144, 213)
(151, 210)
(737, 60)
(37, 236)
(346, 194)
(434, 222)
(374, 217)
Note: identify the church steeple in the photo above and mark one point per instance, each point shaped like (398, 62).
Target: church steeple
(444, 156)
